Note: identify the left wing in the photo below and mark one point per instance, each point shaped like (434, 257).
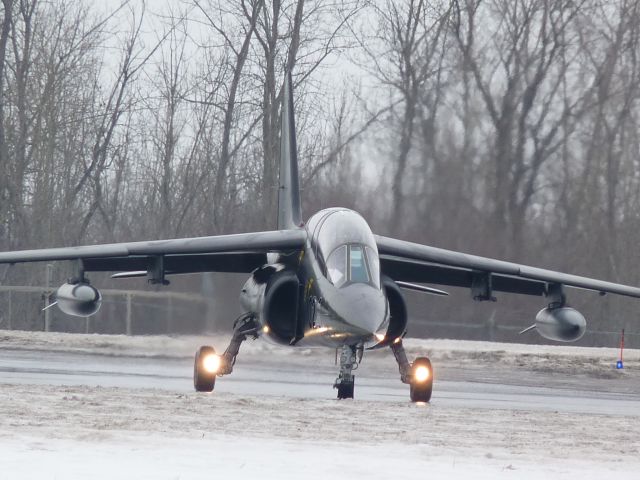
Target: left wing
(227, 253)
(412, 262)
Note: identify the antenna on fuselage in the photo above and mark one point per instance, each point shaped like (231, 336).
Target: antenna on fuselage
(289, 215)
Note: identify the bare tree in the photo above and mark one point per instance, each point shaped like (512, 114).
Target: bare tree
(134, 57)
(251, 11)
(4, 151)
(519, 80)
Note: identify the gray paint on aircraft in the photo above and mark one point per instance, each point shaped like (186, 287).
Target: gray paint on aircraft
(289, 214)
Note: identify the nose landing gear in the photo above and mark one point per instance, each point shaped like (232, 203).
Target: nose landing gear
(350, 357)
(419, 374)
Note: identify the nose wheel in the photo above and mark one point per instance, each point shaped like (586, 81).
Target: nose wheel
(345, 389)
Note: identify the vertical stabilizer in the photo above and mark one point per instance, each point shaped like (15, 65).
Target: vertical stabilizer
(289, 215)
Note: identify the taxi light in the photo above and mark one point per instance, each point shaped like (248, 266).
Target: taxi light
(316, 331)
(211, 363)
(266, 329)
(380, 337)
(422, 374)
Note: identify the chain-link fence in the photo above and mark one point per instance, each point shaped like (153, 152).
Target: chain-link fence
(123, 312)
(138, 312)
(491, 331)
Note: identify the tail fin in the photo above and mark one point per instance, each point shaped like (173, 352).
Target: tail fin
(289, 215)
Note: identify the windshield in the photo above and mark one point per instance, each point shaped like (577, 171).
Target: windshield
(337, 266)
(374, 265)
(358, 269)
(353, 264)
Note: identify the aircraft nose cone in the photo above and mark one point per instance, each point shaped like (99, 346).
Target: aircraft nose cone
(364, 308)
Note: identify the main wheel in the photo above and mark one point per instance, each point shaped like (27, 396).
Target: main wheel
(345, 390)
(205, 368)
(421, 384)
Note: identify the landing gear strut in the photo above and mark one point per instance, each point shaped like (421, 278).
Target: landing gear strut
(349, 360)
(419, 374)
(208, 365)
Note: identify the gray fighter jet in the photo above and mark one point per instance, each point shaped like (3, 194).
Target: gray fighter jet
(327, 282)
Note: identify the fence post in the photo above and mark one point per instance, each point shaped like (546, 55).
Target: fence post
(169, 314)
(491, 327)
(128, 318)
(47, 296)
(9, 311)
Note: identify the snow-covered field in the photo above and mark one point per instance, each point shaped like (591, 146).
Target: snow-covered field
(61, 431)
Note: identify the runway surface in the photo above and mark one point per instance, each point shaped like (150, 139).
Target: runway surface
(292, 376)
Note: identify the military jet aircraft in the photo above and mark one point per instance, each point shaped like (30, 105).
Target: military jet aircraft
(327, 282)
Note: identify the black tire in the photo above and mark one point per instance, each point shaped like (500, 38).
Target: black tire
(421, 391)
(203, 381)
(345, 390)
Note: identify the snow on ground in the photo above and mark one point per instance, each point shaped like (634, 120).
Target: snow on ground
(153, 457)
(83, 432)
(78, 432)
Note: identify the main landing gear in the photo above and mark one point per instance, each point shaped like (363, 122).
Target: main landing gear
(350, 358)
(208, 365)
(419, 374)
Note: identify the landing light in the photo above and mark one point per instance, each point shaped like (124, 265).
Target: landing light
(380, 337)
(266, 329)
(422, 374)
(317, 331)
(211, 363)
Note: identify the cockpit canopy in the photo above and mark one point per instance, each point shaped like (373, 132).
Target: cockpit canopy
(353, 263)
(345, 246)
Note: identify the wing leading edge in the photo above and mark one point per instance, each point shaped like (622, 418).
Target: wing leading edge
(412, 262)
(227, 253)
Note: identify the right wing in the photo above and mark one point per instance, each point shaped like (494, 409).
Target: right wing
(225, 253)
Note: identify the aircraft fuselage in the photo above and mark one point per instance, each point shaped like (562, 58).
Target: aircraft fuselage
(329, 293)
